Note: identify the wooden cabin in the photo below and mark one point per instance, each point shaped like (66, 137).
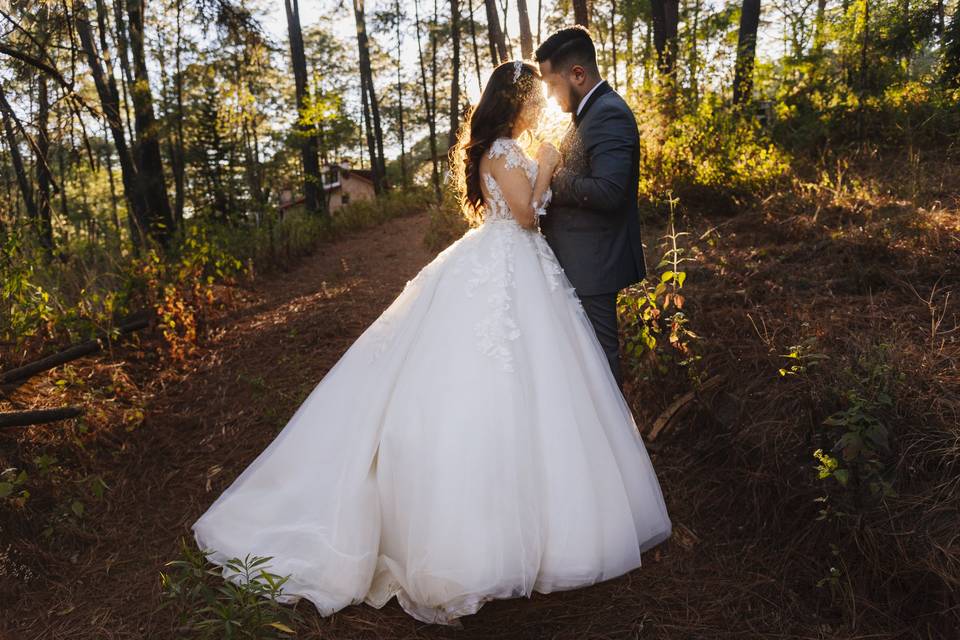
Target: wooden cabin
(341, 185)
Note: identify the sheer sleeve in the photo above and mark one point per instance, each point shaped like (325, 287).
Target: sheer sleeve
(510, 183)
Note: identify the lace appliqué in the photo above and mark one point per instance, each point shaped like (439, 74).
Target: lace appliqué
(540, 208)
(497, 329)
(548, 261)
(509, 148)
(514, 157)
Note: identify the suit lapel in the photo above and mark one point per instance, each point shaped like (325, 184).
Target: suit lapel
(601, 89)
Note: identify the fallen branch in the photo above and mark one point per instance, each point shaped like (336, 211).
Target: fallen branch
(71, 353)
(37, 416)
(661, 423)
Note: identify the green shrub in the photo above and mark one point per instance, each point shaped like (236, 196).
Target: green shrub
(708, 156)
(210, 607)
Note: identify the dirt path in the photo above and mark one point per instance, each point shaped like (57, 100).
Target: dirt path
(205, 427)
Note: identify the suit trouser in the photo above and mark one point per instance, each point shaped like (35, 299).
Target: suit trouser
(602, 311)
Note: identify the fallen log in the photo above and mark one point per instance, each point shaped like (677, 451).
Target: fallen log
(37, 416)
(661, 423)
(71, 353)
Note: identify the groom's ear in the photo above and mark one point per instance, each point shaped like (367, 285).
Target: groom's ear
(577, 73)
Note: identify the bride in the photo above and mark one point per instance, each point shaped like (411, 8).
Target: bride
(472, 443)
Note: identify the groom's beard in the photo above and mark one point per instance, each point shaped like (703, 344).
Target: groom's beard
(572, 100)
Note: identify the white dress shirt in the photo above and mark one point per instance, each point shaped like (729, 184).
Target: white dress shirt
(583, 100)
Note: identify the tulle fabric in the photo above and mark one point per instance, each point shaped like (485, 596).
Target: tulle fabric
(471, 444)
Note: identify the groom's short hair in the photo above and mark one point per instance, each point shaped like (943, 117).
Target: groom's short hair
(565, 47)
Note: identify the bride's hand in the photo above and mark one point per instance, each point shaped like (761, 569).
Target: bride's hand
(548, 156)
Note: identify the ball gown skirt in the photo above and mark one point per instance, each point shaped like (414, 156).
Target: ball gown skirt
(471, 444)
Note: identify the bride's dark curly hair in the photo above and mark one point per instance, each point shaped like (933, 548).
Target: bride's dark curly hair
(494, 116)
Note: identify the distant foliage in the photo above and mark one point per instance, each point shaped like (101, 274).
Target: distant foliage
(708, 156)
(90, 289)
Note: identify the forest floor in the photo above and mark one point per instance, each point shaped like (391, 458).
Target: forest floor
(206, 422)
(738, 564)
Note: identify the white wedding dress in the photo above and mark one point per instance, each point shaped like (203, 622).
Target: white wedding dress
(471, 444)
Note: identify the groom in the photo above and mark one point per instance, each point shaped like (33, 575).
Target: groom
(592, 223)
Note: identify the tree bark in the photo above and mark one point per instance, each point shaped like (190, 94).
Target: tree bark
(179, 168)
(665, 20)
(147, 146)
(498, 45)
(123, 47)
(368, 91)
(429, 108)
(526, 35)
(746, 51)
(581, 12)
(43, 147)
(694, 63)
(138, 218)
(403, 152)
(630, 26)
(308, 144)
(819, 37)
(134, 322)
(26, 189)
(455, 77)
(613, 42)
(476, 49)
(37, 416)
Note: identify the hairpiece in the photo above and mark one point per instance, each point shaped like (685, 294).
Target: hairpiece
(517, 68)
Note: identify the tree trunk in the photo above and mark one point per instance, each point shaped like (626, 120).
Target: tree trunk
(114, 213)
(403, 152)
(368, 91)
(506, 29)
(613, 42)
(819, 37)
(862, 89)
(147, 146)
(123, 51)
(179, 169)
(539, 19)
(26, 190)
(647, 49)
(308, 145)
(455, 76)
(429, 109)
(694, 63)
(951, 52)
(746, 51)
(498, 45)
(628, 63)
(665, 19)
(43, 147)
(138, 218)
(581, 12)
(476, 49)
(526, 35)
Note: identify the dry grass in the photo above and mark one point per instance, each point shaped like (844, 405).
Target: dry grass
(851, 260)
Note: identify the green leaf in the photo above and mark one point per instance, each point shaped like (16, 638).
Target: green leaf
(6, 488)
(667, 275)
(283, 627)
(842, 476)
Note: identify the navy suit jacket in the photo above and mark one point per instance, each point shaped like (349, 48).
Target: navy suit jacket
(593, 222)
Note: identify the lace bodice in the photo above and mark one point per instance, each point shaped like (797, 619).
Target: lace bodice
(483, 263)
(496, 207)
